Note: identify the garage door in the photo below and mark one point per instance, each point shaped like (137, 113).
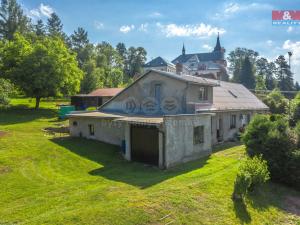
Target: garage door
(144, 144)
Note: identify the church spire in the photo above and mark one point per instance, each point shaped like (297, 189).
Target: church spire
(183, 50)
(218, 45)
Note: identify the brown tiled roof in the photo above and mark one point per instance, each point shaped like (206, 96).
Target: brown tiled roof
(105, 92)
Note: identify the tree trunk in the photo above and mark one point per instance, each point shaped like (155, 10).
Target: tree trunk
(37, 102)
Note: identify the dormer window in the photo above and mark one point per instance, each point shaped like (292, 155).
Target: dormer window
(203, 94)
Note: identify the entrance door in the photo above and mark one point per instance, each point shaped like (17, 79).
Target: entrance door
(220, 130)
(144, 144)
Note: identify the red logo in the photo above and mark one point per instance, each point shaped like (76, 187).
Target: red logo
(285, 14)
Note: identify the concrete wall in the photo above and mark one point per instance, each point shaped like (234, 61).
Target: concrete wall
(142, 94)
(105, 130)
(179, 138)
(228, 132)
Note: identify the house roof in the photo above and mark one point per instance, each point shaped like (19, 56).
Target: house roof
(105, 92)
(209, 56)
(232, 96)
(158, 61)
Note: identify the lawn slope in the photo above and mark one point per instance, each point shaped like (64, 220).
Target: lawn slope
(62, 180)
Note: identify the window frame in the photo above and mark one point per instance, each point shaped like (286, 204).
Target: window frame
(203, 94)
(198, 135)
(232, 121)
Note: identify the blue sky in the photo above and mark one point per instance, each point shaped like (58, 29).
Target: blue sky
(161, 26)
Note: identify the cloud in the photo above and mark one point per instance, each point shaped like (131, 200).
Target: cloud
(143, 27)
(194, 30)
(98, 25)
(155, 15)
(290, 29)
(269, 42)
(231, 9)
(46, 10)
(42, 10)
(294, 47)
(207, 47)
(126, 28)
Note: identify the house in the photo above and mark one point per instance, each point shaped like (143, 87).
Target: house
(166, 119)
(94, 99)
(160, 63)
(210, 64)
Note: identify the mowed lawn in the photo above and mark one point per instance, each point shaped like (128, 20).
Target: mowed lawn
(46, 179)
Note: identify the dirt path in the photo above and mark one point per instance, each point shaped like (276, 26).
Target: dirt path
(293, 205)
(2, 133)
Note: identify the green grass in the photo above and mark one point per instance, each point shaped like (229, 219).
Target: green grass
(63, 180)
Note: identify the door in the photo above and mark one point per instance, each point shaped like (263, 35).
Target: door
(220, 130)
(144, 144)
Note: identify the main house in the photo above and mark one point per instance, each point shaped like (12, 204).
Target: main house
(208, 64)
(166, 118)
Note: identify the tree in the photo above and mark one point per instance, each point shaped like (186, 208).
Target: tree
(270, 80)
(42, 68)
(247, 77)
(297, 86)
(266, 70)
(39, 28)
(12, 19)
(92, 77)
(236, 59)
(136, 60)
(81, 45)
(260, 83)
(277, 103)
(284, 74)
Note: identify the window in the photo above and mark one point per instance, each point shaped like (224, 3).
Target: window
(75, 123)
(203, 94)
(198, 135)
(233, 121)
(91, 130)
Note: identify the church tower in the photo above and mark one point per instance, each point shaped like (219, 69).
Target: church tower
(218, 47)
(183, 50)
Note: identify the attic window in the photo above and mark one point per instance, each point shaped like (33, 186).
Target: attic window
(232, 94)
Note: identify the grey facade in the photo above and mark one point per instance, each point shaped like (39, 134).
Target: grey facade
(183, 115)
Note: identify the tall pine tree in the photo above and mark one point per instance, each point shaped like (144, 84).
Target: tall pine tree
(284, 74)
(12, 19)
(40, 28)
(247, 76)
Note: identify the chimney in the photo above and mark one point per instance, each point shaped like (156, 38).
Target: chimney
(179, 68)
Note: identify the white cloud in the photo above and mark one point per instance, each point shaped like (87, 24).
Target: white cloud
(294, 47)
(207, 47)
(126, 28)
(269, 42)
(98, 25)
(230, 9)
(155, 14)
(42, 10)
(143, 27)
(290, 29)
(195, 30)
(46, 10)
(34, 13)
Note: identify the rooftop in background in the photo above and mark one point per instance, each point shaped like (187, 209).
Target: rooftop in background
(105, 92)
(158, 61)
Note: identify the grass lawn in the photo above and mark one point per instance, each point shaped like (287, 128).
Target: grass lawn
(62, 180)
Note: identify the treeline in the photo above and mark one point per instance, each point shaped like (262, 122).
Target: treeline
(41, 60)
(255, 72)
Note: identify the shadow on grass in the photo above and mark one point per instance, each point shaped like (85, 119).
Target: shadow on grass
(116, 168)
(241, 211)
(22, 114)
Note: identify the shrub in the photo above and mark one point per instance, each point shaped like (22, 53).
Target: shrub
(277, 103)
(252, 173)
(6, 89)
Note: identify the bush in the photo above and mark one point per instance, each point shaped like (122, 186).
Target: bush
(252, 173)
(6, 89)
(271, 137)
(277, 103)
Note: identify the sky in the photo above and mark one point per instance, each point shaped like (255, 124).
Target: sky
(162, 26)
